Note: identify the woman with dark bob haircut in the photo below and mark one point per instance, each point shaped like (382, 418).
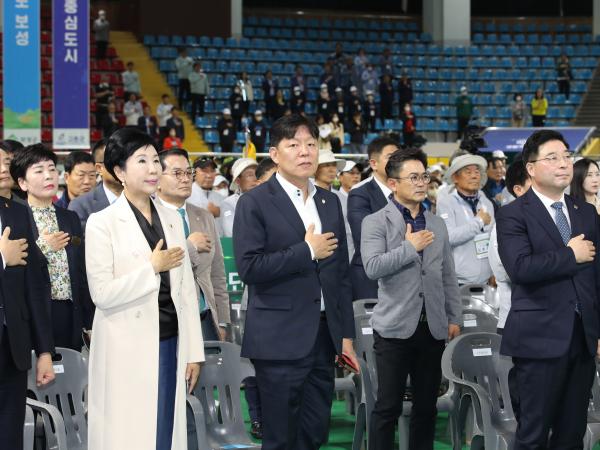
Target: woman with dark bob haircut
(586, 182)
(147, 342)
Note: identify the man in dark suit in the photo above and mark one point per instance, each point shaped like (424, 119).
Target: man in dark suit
(547, 242)
(148, 123)
(103, 195)
(363, 200)
(24, 320)
(290, 249)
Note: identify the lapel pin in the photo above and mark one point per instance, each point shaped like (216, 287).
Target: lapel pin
(575, 206)
(323, 200)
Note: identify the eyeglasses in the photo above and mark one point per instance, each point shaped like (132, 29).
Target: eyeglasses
(416, 179)
(555, 160)
(180, 175)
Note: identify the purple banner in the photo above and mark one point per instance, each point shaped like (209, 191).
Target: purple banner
(71, 69)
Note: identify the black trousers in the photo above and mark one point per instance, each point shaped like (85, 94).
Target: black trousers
(183, 92)
(296, 396)
(101, 47)
(462, 123)
(420, 357)
(564, 87)
(198, 101)
(538, 121)
(553, 395)
(62, 325)
(13, 391)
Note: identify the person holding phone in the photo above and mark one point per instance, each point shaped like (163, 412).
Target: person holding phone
(147, 341)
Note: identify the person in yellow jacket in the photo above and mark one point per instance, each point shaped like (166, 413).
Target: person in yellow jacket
(539, 108)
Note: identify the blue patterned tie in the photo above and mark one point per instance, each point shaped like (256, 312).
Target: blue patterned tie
(565, 232)
(561, 222)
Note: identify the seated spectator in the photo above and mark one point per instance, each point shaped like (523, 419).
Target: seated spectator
(59, 237)
(586, 182)
(370, 111)
(265, 169)
(539, 108)
(132, 110)
(171, 141)
(258, 131)
(103, 195)
(227, 131)
(409, 125)
(199, 90)
(163, 113)
(518, 111)
(131, 82)
(176, 122)
(386, 97)
(221, 186)
(280, 105)
(357, 130)
(80, 177)
(148, 123)
(496, 170)
(298, 101)
(327, 169)
(244, 179)
(469, 217)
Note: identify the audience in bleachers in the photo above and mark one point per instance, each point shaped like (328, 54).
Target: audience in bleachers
(163, 113)
(110, 121)
(184, 65)
(132, 110)
(539, 108)
(518, 111)
(176, 123)
(149, 123)
(199, 90)
(269, 87)
(131, 82)
(101, 34)
(227, 131)
(564, 75)
(464, 111)
(258, 131)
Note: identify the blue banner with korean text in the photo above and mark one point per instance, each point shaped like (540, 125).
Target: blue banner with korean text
(21, 66)
(71, 78)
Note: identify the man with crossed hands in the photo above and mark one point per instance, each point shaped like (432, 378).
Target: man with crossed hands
(290, 249)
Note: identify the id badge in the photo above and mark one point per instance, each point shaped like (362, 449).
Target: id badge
(482, 245)
(225, 132)
(258, 133)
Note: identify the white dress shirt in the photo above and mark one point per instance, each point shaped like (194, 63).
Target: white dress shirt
(175, 208)
(110, 195)
(548, 205)
(228, 213)
(307, 210)
(384, 189)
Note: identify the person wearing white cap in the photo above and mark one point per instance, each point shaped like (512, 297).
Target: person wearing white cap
(353, 103)
(370, 111)
(464, 111)
(340, 103)
(327, 169)
(101, 33)
(243, 172)
(298, 100)
(325, 105)
(469, 217)
(258, 131)
(349, 176)
(221, 186)
(227, 131)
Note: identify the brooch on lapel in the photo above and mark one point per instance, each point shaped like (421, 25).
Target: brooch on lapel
(575, 206)
(323, 200)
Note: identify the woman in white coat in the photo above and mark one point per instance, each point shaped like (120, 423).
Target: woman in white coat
(147, 341)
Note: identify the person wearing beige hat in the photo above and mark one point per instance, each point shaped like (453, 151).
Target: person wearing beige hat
(349, 176)
(243, 172)
(327, 169)
(469, 216)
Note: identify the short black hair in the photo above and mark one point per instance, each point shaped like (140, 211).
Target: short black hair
(32, 154)
(100, 145)
(264, 166)
(580, 171)
(399, 157)
(537, 139)
(77, 157)
(11, 146)
(121, 145)
(516, 174)
(378, 144)
(492, 160)
(172, 152)
(285, 128)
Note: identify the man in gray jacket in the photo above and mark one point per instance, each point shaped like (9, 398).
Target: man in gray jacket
(407, 249)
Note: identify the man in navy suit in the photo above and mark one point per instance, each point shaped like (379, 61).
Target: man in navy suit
(24, 320)
(290, 249)
(363, 200)
(547, 242)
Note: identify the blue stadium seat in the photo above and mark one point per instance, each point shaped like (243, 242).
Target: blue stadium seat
(211, 137)
(149, 40)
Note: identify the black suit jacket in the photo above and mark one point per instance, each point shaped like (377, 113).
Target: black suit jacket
(83, 307)
(23, 290)
(284, 283)
(151, 130)
(546, 279)
(362, 201)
